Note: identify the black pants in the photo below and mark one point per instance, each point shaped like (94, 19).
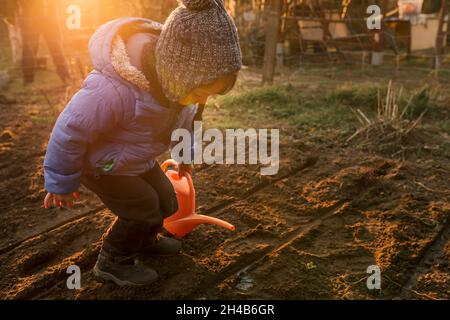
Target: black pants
(141, 203)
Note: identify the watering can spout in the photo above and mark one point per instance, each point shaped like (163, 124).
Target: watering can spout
(185, 219)
(211, 220)
(182, 227)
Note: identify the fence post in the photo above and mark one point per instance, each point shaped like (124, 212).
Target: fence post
(378, 47)
(272, 31)
(441, 35)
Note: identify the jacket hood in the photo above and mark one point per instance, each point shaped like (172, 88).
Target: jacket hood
(108, 50)
(121, 61)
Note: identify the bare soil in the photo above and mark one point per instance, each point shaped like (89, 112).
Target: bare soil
(308, 233)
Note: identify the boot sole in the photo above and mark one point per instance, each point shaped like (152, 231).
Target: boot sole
(122, 283)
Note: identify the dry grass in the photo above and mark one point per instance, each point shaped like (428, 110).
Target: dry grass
(390, 114)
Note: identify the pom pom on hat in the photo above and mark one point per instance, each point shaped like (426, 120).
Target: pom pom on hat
(197, 5)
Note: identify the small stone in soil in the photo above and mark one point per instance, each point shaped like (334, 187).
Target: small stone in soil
(6, 136)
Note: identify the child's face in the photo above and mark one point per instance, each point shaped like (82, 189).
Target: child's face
(200, 95)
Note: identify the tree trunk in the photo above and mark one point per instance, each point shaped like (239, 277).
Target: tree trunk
(15, 39)
(272, 32)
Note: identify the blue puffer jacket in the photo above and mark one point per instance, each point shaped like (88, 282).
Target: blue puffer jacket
(111, 126)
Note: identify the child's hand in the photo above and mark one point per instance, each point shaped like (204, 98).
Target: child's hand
(60, 200)
(185, 168)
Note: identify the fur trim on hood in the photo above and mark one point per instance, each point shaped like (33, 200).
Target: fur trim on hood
(122, 65)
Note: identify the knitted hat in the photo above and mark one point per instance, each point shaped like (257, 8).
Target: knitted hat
(198, 45)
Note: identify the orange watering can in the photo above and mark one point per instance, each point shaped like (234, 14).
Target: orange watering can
(185, 219)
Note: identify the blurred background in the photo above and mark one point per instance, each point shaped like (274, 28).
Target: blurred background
(300, 31)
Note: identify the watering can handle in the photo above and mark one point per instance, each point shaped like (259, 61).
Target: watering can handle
(168, 163)
(172, 162)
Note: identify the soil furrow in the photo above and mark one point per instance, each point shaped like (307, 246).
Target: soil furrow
(14, 245)
(430, 255)
(248, 263)
(248, 259)
(308, 163)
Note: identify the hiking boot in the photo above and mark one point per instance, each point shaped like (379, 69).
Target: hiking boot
(124, 271)
(160, 246)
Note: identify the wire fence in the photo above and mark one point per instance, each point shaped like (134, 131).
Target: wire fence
(294, 48)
